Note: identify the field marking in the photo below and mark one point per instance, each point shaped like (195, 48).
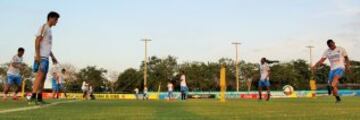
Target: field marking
(35, 107)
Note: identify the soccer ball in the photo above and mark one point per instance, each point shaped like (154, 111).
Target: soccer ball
(288, 90)
(28, 97)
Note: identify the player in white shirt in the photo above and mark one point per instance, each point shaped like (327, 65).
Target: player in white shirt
(136, 90)
(339, 62)
(85, 89)
(264, 77)
(43, 45)
(170, 87)
(13, 74)
(145, 94)
(183, 85)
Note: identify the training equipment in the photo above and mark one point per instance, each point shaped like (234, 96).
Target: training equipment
(288, 90)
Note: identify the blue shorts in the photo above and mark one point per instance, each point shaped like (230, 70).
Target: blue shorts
(14, 79)
(43, 65)
(337, 72)
(183, 89)
(264, 83)
(55, 86)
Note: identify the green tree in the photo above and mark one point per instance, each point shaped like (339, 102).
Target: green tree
(129, 80)
(94, 76)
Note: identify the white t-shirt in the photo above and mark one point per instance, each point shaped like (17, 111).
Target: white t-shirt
(136, 90)
(264, 71)
(12, 70)
(183, 81)
(145, 90)
(170, 87)
(46, 43)
(61, 78)
(336, 57)
(84, 86)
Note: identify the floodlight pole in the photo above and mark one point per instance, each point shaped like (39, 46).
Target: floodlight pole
(310, 50)
(145, 40)
(237, 44)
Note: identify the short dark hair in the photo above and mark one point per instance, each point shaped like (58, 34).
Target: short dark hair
(53, 14)
(20, 49)
(329, 41)
(63, 70)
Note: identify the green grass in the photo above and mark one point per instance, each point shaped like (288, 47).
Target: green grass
(296, 108)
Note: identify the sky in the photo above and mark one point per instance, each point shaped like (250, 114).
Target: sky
(108, 33)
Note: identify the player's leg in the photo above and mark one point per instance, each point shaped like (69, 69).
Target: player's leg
(330, 79)
(268, 90)
(44, 68)
(260, 85)
(63, 89)
(10, 81)
(58, 91)
(268, 93)
(335, 88)
(18, 85)
(6, 91)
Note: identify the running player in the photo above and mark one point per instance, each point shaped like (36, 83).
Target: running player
(13, 74)
(264, 77)
(339, 62)
(183, 86)
(43, 45)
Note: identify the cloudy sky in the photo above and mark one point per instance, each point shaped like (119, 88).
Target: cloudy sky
(107, 33)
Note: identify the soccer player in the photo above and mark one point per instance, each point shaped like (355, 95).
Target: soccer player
(183, 85)
(55, 85)
(339, 62)
(145, 95)
(85, 89)
(170, 87)
(13, 74)
(136, 90)
(62, 86)
(264, 77)
(43, 46)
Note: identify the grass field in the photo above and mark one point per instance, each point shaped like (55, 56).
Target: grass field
(322, 108)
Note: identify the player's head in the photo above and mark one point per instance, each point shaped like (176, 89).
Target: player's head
(63, 71)
(331, 44)
(20, 52)
(52, 18)
(263, 60)
(54, 73)
(182, 72)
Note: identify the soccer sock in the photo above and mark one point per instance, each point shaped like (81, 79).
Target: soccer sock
(337, 98)
(329, 89)
(40, 96)
(33, 95)
(260, 97)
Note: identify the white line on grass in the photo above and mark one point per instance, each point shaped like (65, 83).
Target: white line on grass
(34, 107)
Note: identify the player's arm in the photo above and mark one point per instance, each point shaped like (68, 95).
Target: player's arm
(320, 62)
(38, 40)
(347, 63)
(17, 65)
(37, 47)
(54, 60)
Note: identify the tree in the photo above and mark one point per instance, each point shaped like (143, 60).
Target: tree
(94, 76)
(129, 80)
(160, 71)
